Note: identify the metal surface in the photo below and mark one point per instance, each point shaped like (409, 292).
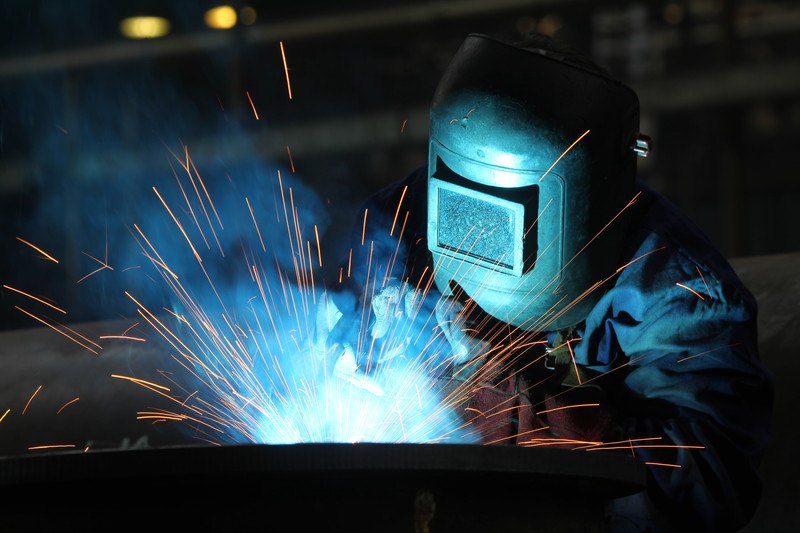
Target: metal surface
(304, 28)
(326, 487)
(332, 487)
(774, 281)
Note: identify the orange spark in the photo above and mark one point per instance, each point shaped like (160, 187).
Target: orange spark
(163, 266)
(663, 464)
(161, 261)
(90, 341)
(176, 315)
(629, 204)
(31, 399)
(189, 398)
(205, 191)
(707, 351)
(516, 436)
(48, 446)
(600, 447)
(177, 223)
(571, 146)
(537, 218)
(45, 254)
(188, 203)
(574, 364)
(708, 291)
(55, 328)
(589, 290)
(252, 105)
(629, 263)
(255, 224)
(35, 298)
(397, 212)
(192, 172)
(102, 263)
(130, 328)
(5, 415)
(681, 285)
(311, 270)
(364, 227)
(626, 441)
(92, 273)
(403, 126)
(123, 337)
(286, 70)
(567, 407)
(534, 443)
(319, 246)
(66, 404)
(141, 382)
(103, 266)
(291, 161)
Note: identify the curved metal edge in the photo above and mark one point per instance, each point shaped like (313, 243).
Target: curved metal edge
(627, 474)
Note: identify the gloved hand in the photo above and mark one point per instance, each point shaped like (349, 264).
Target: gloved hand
(502, 413)
(341, 354)
(579, 413)
(395, 320)
(469, 352)
(394, 310)
(440, 334)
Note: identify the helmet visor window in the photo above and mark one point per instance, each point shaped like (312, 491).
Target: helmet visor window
(476, 227)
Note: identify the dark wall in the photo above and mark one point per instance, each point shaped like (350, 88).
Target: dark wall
(87, 118)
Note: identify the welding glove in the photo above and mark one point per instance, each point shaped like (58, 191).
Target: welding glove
(575, 405)
(341, 355)
(356, 353)
(396, 329)
(579, 412)
(394, 309)
(468, 351)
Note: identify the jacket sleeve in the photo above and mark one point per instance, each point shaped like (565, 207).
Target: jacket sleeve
(386, 243)
(683, 342)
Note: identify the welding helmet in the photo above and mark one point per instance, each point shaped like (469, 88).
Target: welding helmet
(520, 215)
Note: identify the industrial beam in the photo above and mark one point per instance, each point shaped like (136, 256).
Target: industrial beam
(385, 128)
(346, 23)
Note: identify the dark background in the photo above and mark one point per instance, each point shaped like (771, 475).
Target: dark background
(87, 116)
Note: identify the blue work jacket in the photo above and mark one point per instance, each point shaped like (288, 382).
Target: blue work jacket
(675, 336)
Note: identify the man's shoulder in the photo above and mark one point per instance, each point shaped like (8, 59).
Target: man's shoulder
(668, 250)
(412, 187)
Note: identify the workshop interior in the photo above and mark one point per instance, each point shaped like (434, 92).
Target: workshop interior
(185, 193)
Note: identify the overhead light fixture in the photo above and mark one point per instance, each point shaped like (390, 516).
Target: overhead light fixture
(144, 27)
(221, 18)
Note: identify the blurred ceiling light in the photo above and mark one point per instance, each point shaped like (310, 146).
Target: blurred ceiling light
(144, 27)
(221, 18)
(550, 24)
(248, 15)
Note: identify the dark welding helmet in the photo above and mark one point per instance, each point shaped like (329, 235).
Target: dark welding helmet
(523, 223)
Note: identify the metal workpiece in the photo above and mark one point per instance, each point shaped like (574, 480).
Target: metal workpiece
(332, 487)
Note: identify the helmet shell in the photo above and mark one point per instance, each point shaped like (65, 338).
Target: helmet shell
(520, 216)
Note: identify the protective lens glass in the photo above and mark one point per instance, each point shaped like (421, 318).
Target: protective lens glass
(488, 226)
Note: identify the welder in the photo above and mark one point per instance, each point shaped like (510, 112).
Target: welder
(563, 286)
